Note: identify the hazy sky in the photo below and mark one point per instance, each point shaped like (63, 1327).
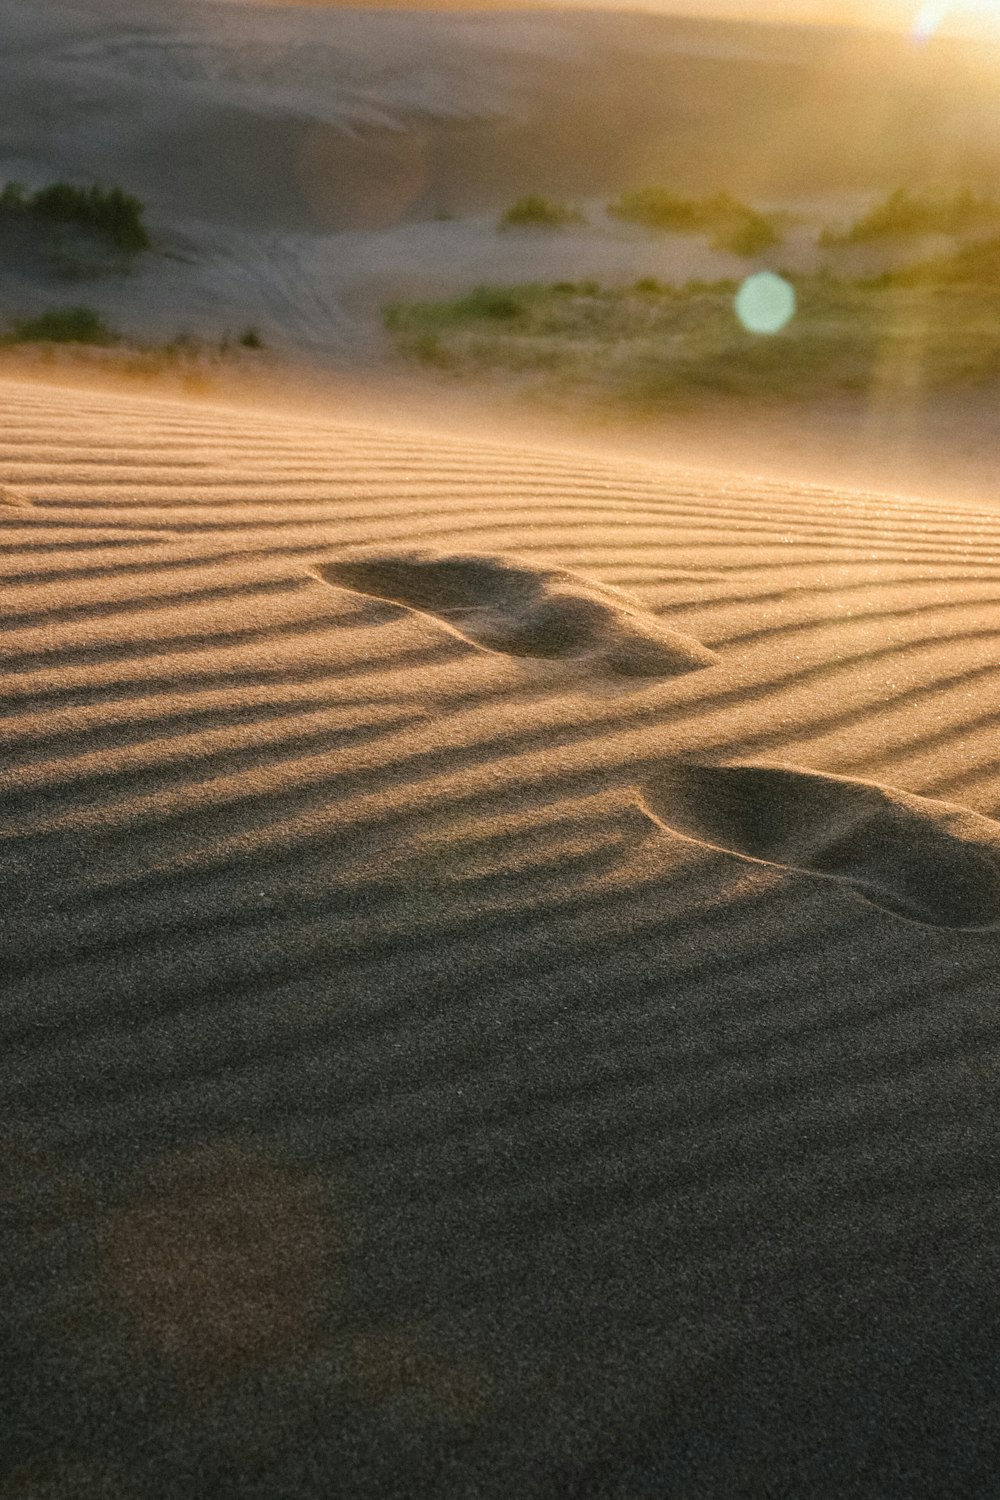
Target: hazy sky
(922, 17)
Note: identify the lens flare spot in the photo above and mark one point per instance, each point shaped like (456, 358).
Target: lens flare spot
(219, 1257)
(765, 303)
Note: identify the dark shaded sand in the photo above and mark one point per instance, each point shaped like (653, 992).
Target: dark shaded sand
(926, 860)
(396, 1106)
(495, 603)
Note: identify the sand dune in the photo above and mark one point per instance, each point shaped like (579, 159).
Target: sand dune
(434, 1070)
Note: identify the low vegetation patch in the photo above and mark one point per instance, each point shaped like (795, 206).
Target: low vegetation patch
(731, 225)
(905, 213)
(973, 266)
(536, 212)
(108, 210)
(194, 366)
(62, 325)
(84, 326)
(653, 342)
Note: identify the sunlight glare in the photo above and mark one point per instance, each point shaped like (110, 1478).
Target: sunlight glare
(929, 18)
(956, 17)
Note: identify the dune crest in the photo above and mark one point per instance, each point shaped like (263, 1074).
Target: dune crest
(501, 605)
(930, 861)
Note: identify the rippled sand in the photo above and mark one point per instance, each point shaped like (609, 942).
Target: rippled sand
(438, 1061)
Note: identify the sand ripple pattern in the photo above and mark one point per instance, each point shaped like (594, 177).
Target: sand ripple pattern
(430, 1070)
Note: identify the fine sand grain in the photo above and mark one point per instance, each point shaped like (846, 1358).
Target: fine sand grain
(499, 962)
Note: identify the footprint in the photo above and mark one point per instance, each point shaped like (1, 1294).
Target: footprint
(932, 862)
(12, 498)
(502, 605)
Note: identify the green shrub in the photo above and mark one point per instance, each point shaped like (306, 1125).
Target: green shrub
(697, 288)
(13, 195)
(64, 325)
(906, 213)
(109, 210)
(422, 320)
(649, 284)
(659, 209)
(900, 334)
(747, 236)
(575, 288)
(973, 265)
(734, 226)
(536, 211)
(488, 302)
(427, 349)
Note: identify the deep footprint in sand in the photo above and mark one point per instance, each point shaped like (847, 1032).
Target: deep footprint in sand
(933, 862)
(499, 604)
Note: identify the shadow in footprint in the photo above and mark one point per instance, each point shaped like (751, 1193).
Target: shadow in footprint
(13, 499)
(500, 604)
(932, 862)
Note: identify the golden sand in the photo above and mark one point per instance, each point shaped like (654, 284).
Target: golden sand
(437, 1062)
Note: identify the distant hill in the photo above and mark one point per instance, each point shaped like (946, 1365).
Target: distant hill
(287, 118)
